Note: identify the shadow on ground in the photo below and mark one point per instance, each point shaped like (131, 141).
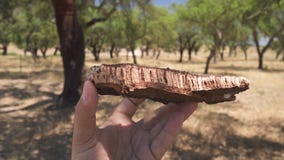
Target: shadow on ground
(38, 133)
(35, 134)
(221, 141)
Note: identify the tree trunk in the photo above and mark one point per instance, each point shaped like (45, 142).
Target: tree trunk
(196, 49)
(215, 57)
(230, 51)
(142, 52)
(159, 53)
(258, 47)
(25, 52)
(95, 53)
(235, 51)
(72, 50)
(34, 54)
(189, 50)
(190, 47)
(127, 54)
(260, 61)
(246, 54)
(181, 49)
(211, 55)
(244, 48)
(116, 51)
(222, 55)
(55, 51)
(43, 51)
(112, 47)
(27, 41)
(222, 50)
(189, 54)
(5, 50)
(147, 50)
(133, 55)
(278, 53)
(154, 52)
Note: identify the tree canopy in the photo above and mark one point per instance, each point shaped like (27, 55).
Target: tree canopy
(134, 24)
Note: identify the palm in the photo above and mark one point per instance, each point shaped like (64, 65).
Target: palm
(121, 138)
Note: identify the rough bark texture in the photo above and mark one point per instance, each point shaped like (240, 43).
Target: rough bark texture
(165, 85)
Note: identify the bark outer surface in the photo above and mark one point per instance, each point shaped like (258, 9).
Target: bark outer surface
(165, 85)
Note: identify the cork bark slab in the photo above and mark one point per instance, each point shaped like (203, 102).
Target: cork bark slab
(165, 85)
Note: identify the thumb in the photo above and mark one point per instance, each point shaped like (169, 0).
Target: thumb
(85, 116)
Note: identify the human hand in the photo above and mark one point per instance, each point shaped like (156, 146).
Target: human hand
(120, 137)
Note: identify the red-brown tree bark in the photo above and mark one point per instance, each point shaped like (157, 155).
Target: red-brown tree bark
(71, 48)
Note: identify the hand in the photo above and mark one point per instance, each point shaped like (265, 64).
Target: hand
(120, 137)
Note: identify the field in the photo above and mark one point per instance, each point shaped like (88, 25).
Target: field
(252, 127)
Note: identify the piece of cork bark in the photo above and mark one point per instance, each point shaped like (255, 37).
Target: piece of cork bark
(165, 85)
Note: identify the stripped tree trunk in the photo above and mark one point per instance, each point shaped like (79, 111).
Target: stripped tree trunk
(72, 50)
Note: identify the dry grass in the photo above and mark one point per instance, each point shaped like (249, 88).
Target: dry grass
(249, 128)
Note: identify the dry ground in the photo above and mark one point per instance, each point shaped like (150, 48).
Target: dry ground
(252, 127)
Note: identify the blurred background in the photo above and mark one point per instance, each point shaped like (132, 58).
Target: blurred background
(47, 48)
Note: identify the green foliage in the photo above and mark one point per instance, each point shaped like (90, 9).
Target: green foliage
(208, 22)
(115, 28)
(123, 28)
(267, 17)
(135, 25)
(124, 23)
(28, 23)
(160, 28)
(40, 29)
(6, 32)
(6, 21)
(96, 35)
(105, 33)
(213, 18)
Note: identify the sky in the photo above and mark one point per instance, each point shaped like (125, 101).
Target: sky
(166, 3)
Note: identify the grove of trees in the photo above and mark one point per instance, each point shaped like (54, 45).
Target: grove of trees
(112, 25)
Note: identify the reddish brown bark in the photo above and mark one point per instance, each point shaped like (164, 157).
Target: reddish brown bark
(165, 85)
(71, 48)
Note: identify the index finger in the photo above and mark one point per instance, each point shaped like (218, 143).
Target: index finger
(85, 115)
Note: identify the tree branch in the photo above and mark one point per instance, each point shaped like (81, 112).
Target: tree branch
(104, 18)
(272, 38)
(255, 38)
